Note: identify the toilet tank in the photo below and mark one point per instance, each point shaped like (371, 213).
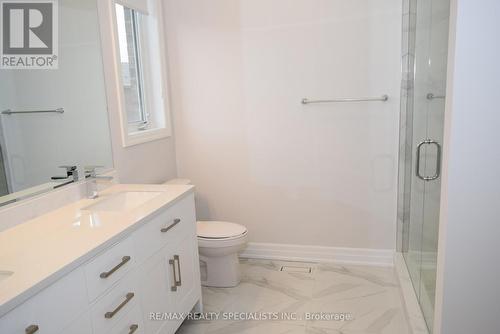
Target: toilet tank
(178, 181)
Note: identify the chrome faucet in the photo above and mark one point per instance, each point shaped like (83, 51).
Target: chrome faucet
(91, 173)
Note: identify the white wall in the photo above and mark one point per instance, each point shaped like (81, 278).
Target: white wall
(319, 175)
(152, 162)
(468, 292)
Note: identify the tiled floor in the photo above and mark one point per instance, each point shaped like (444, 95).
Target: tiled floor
(370, 295)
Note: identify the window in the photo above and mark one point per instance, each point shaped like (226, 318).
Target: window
(136, 76)
(127, 21)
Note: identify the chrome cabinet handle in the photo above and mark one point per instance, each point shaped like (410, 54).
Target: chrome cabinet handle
(438, 160)
(178, 260)
(172, 263)
(109, 315)
(432, 96)
(168, 228)
(133, 329)
(106, 274)
(31, 329)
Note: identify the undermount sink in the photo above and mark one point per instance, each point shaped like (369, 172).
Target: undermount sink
(123, 201)
(5, 274)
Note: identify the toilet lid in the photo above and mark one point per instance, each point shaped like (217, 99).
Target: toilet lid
(219, 230)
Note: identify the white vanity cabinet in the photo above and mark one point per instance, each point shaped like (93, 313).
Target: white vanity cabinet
(51, 310)
(188, 272)
(173, 269)
(83, 325)
(152, 270)
(177, 265)
(157, 296)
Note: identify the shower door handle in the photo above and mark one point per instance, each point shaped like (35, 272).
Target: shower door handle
(437, 174)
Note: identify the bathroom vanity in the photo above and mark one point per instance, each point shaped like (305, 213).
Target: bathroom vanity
(121, 263)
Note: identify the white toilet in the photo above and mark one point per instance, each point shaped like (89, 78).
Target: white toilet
(218, 245)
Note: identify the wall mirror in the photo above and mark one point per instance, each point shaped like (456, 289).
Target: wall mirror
(55, 117)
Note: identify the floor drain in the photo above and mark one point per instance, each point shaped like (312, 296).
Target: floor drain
(296, 269)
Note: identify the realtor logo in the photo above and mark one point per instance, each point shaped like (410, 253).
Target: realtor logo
(29, 34)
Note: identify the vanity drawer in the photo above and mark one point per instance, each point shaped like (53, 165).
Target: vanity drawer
(82, 325)
(112, 308)
(51, 310)
(165, 228)
(109, 267)
(130, 324)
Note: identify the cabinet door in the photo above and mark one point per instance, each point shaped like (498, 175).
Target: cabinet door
(187, 270)
(155, 284)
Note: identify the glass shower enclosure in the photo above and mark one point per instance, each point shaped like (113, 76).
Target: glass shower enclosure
(425, 52)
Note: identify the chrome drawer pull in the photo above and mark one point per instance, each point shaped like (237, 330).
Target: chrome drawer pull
(172, 263)
(31, 329)
(177, 258)
(168, 228)
(133, 328)
(106, 274)
(109, 315)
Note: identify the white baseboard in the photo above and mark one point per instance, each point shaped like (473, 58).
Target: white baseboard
(285, 252)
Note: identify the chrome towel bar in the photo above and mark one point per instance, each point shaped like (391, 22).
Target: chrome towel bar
(11, 112)
(382, 98)
(431, 96)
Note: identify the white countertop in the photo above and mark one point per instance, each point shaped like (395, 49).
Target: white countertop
(42, 250)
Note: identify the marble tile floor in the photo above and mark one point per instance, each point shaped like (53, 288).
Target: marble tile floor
(370, 297)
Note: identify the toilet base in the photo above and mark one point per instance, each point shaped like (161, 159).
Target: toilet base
(220, 271)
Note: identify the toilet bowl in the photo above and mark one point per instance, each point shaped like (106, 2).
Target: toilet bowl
(219, 244)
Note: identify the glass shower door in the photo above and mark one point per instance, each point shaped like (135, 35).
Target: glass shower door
(424, 113)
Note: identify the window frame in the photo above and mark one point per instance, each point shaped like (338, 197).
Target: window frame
(139, 70)
(157, 113)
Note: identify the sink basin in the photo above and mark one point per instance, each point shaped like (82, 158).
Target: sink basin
(5, 274)
(122, 201)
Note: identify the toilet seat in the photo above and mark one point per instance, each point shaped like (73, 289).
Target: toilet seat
(216, 230)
